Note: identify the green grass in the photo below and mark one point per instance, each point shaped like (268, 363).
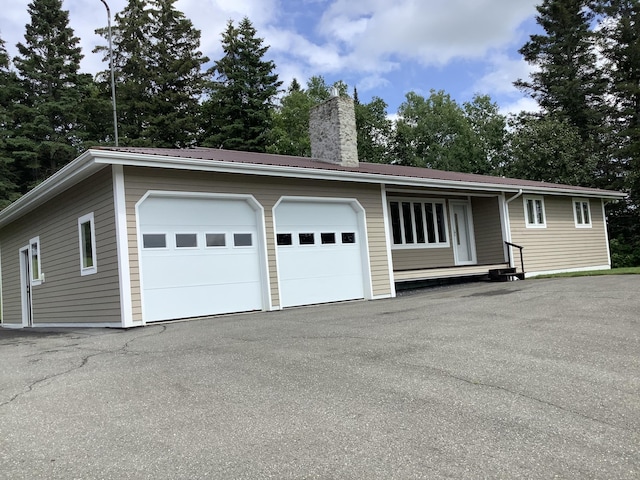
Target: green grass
(592, 273)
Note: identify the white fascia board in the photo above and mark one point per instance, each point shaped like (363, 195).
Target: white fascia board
(66, 177)
(182, 163)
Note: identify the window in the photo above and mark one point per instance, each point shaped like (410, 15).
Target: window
(154, 240)
(242, 240)
(418, 223)
(34, 256)
(327, 238)
(216, 240)
(534, 212)
(186, 240)
(306, 238)
(87, 238)
(582, 213)
(284, 239)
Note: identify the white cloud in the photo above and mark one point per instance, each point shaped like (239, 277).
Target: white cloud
(524, 104)
(432, 33)
(372, 44)
(501, 72)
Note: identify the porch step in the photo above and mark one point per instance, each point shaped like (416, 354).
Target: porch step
(505, 274)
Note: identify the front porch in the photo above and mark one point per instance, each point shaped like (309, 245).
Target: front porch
(447, 237)
(445, 272)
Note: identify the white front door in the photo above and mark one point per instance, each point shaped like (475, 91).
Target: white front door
(462, 228)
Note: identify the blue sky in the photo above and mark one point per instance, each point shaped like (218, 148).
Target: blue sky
(384, 47)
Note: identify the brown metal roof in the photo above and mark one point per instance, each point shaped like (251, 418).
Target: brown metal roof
(232, 156)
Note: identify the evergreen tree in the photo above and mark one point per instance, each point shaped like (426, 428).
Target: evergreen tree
(50, 122)
(619, 39)
(237, 114)
(158, 69)
(10, 95)
(567, 83)
(289, 134)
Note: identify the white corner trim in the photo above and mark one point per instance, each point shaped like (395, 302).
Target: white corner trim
(122, 246)
(387, 239)
(503, 208)
(606, 232)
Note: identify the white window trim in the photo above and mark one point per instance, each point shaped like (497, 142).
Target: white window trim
(88, 218)
(534, 198)
(35, 281)
(575, 215)
(423, 200)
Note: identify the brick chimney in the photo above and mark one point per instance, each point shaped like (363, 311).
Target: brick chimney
(332, 128)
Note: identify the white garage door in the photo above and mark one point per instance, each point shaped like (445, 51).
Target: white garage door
(199, 256)
(320, 252)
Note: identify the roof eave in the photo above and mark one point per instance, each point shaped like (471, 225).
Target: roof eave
(182, 163)
(66, 177)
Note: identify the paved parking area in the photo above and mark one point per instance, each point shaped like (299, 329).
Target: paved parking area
(533, 379)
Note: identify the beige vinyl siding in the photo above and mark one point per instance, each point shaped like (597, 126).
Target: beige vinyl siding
(267, 191)
(66, 296)
(420, 258)
(560, 245)
(488, 230)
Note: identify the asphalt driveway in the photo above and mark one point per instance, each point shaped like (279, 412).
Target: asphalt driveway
(532, 379)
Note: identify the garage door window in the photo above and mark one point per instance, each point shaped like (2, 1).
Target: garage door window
(154, 240)
(186, 240)
(349, 237)
(327, 238)
(306, 238)
(216, 240)
(284, 239)
(242, 240)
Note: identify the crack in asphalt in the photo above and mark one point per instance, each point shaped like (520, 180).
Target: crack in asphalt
(528, 397)
(84, 360)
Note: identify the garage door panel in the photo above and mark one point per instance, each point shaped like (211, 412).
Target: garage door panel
(175, 211)
(335, 215)
(185, 270)
(300, 264)
(202, 300)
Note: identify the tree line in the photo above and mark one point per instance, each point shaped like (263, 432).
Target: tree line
(586, 83)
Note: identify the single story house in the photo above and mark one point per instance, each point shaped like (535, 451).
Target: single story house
(122, 237)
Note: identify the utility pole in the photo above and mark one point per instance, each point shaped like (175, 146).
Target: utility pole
(113, 81)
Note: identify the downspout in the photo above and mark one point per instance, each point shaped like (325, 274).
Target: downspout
(519, 194)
